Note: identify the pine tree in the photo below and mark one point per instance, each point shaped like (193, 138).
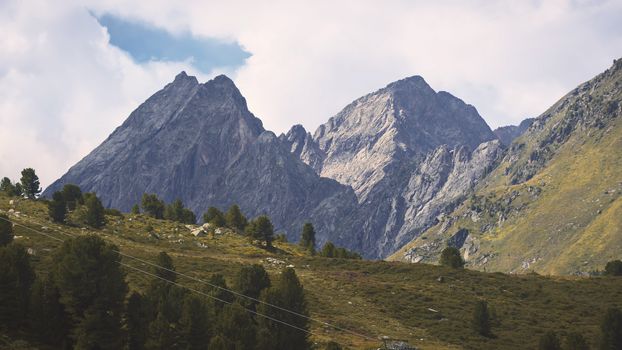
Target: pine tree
(549, 341)
(611, 330)
(328, 251)
(153, 206)
(576, 341)
(135, 209)
(16, 278)
(250, 281)
(72, 195)
(92, 289)
(48, 320)
(30, 183)
(7, 187)
(218, 343)
(193, 323)
(481, 319)
(165, 268)
(451, 257)
(218, 290)
(6, 230)
(613, 268)
(331, 345)
(136, 322)
(235, 219)
(287, 293)
(237, 327)
(57, 208)
(94, 216)
(307, 239)
(261, 229)
(214, 216)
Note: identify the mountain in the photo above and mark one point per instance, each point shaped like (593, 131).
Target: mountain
(200, 143)
(507, 134)
(554, 202)
(408, 152)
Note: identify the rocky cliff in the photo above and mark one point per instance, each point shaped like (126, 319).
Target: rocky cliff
(408, 152)
(507, 134)
(199, 142)
(554, 202)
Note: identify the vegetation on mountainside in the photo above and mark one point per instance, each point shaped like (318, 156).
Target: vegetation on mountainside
(375, 298)
(554, 204)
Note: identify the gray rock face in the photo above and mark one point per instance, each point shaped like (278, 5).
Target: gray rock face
(373, 177)
(507, 134)
(199, 142)
(408, 152)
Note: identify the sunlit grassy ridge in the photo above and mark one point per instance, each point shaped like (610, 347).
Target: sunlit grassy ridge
(375, 298)
(554, 204)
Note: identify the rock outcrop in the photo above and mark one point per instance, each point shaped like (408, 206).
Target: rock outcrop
(507, 134)
(199, 143)
(408, 152)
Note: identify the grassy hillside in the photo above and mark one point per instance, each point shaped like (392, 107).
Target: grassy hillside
(376, 298)
(554, 204)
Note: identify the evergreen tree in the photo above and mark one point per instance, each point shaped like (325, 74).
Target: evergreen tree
(16, 278)
(235, 219)
(237, 327)
(549, 341)
(92, 289)
(613, 268)
(30, 183)
(193, 323)
(250, 281)
(451, 257)
(307, 239)
(177, 212)
(215, 217)
(218, 343)
(165, 269)
(576, 341)
(328, 251)
(136, 322)
(135, 209)
(153, 206)
(73, 196)
(7, 187)
(481, 319)
(611, 330)
(57, 208)
(94, 216)
(218, 290)
(48, 320)
(6, 230)
(288, 293)
(331, 345)
(261, 229)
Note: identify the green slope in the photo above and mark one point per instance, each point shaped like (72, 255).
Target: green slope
(376, 298)
(554, 203)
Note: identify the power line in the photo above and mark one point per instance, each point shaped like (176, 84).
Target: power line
(204, 282)
(175, 283)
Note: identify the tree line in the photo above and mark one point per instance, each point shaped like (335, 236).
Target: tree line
(83, 303)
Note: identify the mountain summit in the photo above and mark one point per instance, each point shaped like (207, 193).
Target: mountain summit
(370, 179)
(407, 151)
(200, 143)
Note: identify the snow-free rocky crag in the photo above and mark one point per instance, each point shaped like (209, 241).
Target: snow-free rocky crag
(554, 202)
(372, 178)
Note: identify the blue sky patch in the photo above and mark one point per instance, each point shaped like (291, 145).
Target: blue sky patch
(147, 43)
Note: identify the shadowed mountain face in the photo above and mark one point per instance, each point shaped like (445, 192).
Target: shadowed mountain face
(371, 179)
(507, 134)
(199, 142)
(554, 202)
(408, 152)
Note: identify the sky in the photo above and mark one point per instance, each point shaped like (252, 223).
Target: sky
(72, 71)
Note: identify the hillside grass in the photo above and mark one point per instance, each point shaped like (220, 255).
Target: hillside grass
(375, 298)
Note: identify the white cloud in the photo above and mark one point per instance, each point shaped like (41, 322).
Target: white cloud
(63, 88)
